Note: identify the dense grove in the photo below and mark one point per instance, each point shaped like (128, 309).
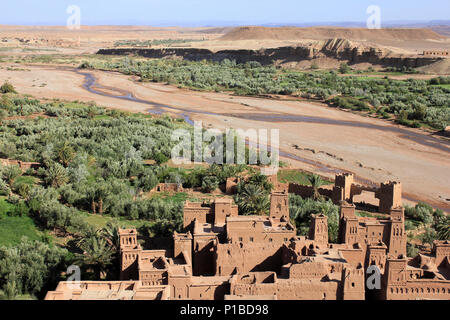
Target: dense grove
(412, 102)
(435, 223)
(150, 43)
(102, 163)
(93, 162)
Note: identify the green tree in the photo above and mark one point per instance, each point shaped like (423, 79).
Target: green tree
(344, 68)
(316, 181)
(443, 229)
(411, 250)
(429, 236)
(11, 173)
(4, 188)
(65, 154)
(102, 192)
(210, 183)
(111, 234)
(56, 175)
(91, 194)
(300, 211)
(147, 180)
(97, 256)
(10, 290)
(160, 158)
(253, 200)
(29, 266)
(3, 115)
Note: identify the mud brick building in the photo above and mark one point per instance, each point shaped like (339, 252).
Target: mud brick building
(222, 255)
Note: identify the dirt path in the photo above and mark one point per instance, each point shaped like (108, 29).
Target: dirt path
(326, 139)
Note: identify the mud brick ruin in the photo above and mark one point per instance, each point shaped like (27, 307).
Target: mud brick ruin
(168, 187)
(436, 53)
(21, 164)
(389, 193)
(222, 255)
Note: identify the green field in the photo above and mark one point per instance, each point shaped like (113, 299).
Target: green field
(446, 86)
(12, 229)
(296, 176)
(99, 221)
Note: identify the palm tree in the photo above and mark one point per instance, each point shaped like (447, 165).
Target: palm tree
(10, 290)
(261, 180)
(316, 182)
(443, 229)
(3, 115)
(86, 234)
(253, 200)
(103, 190)
(111, 234)
(65, 154)
(57, 175)
(11, 173)
(97, 255)
(91, 194)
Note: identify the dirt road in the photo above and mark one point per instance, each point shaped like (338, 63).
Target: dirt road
(325, 139)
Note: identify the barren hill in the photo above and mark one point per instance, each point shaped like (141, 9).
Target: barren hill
(320, 33)
(444, 30)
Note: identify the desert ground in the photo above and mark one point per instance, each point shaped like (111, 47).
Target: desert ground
(313, 136)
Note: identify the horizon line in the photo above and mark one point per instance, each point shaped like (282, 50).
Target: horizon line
(205, 24)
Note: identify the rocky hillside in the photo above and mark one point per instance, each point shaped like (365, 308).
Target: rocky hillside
(338, 49)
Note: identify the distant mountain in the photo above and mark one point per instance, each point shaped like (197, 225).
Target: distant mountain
(359, 24)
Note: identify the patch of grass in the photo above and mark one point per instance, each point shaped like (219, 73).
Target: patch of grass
(445, 86)
(12, 229)
(4, 49)
(100, 221)
(25, 180)
(296, 176)
(370, 215)
(175, 197)
(102, 117)
(5, 207)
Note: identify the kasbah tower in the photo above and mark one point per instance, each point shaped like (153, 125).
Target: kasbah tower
(223, 255)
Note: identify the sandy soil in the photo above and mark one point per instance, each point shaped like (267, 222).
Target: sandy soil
(327, 139)
(88, 39)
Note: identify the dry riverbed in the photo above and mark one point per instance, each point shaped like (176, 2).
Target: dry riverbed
(313, 136)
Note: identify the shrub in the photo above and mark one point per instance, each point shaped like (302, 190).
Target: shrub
(3, 115)
(160, 158)
(344, 68)
(411, 250)
(7, 88)
(210, 183)
(422, 212)
(314, 66)
(4, 188)
(429, 236)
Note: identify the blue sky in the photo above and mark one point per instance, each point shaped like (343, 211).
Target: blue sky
(210, 12)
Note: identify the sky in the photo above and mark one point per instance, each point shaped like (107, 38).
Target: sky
(215, 12)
